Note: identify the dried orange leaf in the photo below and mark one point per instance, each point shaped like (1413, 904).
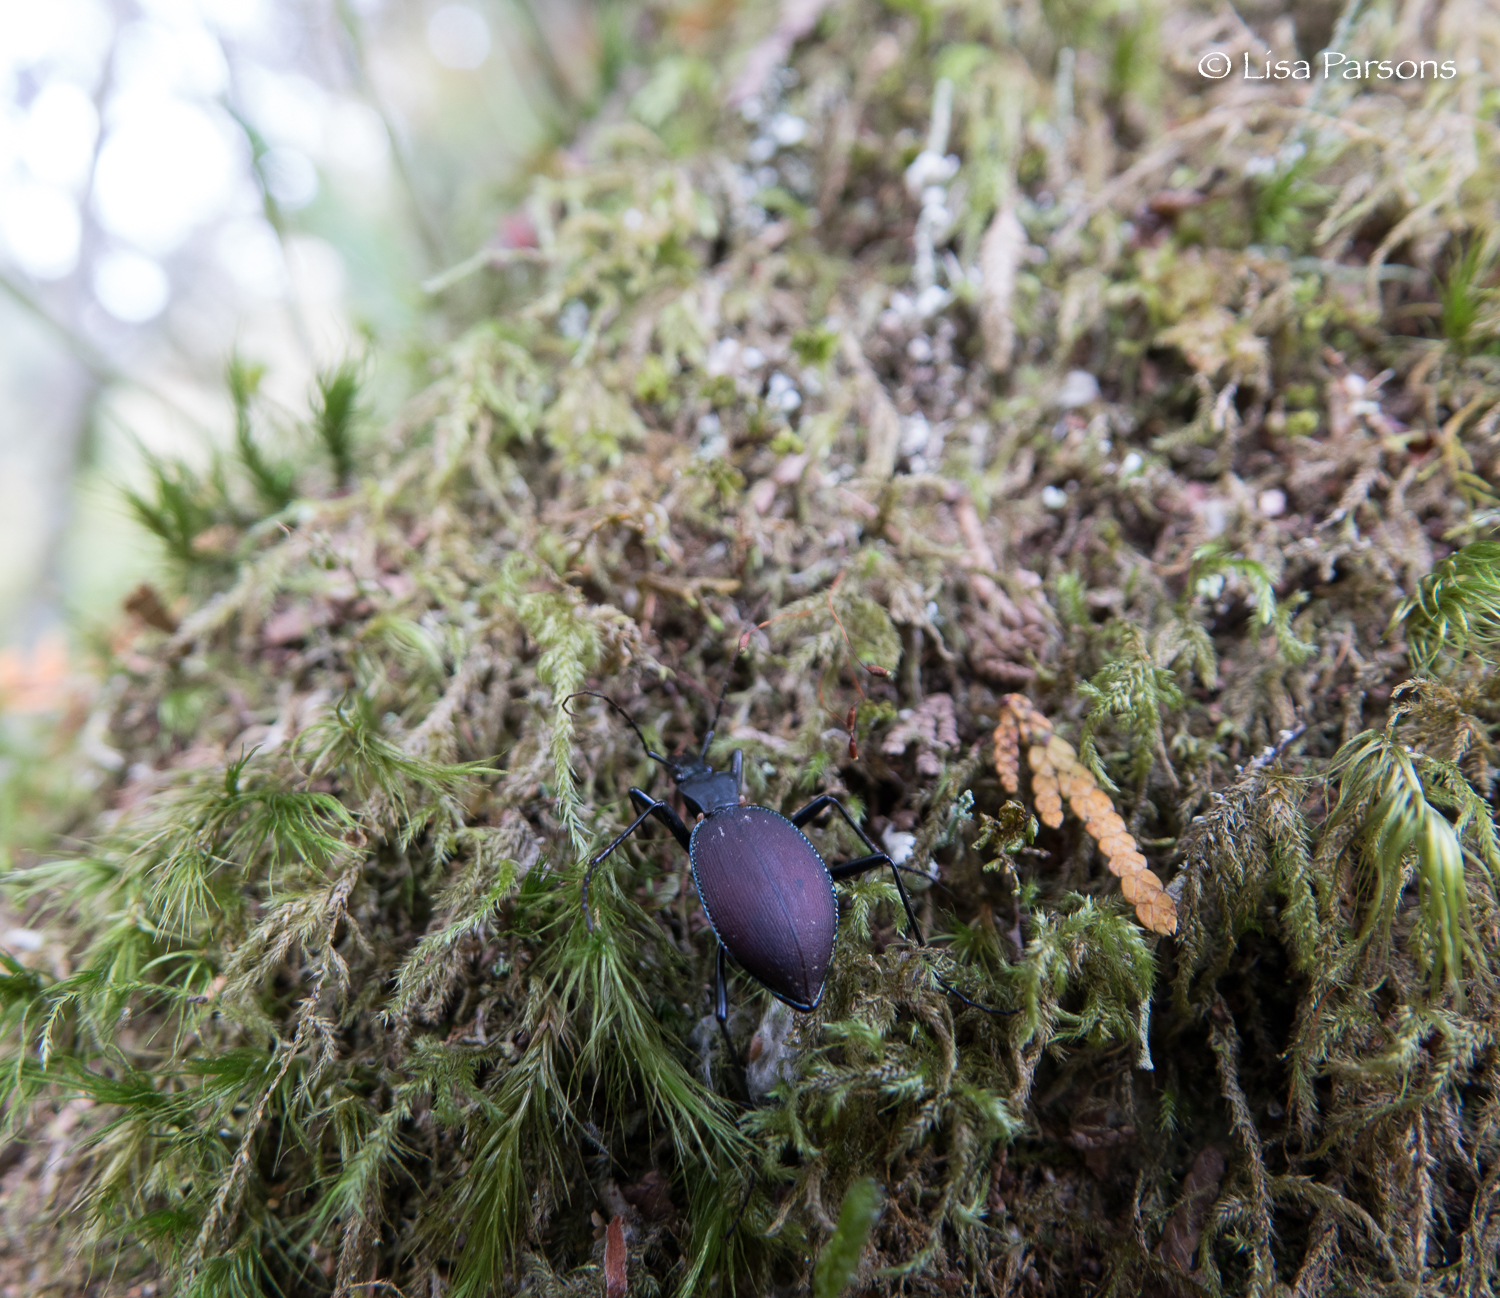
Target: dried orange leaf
(1033, 725)
(1008, 751)
(1158, 913)
(1116, 844)
(1108, 826)
(1076, 785)
(1094, 805)
(1058, 775)
(1061, 753)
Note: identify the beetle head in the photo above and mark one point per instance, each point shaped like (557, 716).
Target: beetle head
(704, 789)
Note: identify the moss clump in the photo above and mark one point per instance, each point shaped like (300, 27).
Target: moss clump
(949, 357)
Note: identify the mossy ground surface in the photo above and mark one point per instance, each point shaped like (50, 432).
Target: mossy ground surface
(991, 346)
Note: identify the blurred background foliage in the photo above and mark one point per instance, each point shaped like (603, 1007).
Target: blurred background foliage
(186, 180)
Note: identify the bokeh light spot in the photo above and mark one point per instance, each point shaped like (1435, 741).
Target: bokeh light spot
(67, 36)
(285, 107)
(458, 36)
(10, 137)
(291, 179)
(184, 60)
(236, 18)
(41, 227)
(357, 144)
(250, 251)
(57, 138)
(130, 286)
(166, 168)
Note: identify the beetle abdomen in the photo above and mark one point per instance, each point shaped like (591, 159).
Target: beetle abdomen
(770, 899)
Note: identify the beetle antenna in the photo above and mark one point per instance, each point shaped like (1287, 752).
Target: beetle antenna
(629, 721)
(718, 707)
(744, 1203)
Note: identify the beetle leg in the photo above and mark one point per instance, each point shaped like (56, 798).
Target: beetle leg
(649, 806)
(800, 818)
(646, 805)
(972, 1004)
(721, 1005)
(862, 865)
(877, 858)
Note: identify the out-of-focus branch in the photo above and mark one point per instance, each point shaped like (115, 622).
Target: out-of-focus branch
(83, 351)
(427, 231)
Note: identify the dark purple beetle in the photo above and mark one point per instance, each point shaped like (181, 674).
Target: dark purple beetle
(765, 889)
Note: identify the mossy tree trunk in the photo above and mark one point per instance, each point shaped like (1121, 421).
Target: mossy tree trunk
(953, 382)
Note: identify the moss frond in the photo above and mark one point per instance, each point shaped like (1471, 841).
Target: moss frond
(1456, 609)
(274, 484)
(335, 415)
(1380, 784)
(178, 510)
(1131, 687)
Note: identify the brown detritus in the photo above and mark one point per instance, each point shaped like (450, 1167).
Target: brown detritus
(145, 602)
(651, 1196)
(616, 1280)
(932, 727)
(1179, 1241)
(1000, 257)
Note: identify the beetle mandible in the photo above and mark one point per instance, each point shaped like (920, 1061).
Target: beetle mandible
(766, 891)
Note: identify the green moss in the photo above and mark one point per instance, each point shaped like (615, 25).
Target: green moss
(316, 958)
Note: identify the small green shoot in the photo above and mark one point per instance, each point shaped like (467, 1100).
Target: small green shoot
(815, 346)
(177, 509)
(1129, 686)
(839, 1259)
(1380, 790)
(335, 417)
(274, 483)
(1456, 609)
(1464, 296)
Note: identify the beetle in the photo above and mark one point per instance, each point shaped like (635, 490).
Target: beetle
(767, 892)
